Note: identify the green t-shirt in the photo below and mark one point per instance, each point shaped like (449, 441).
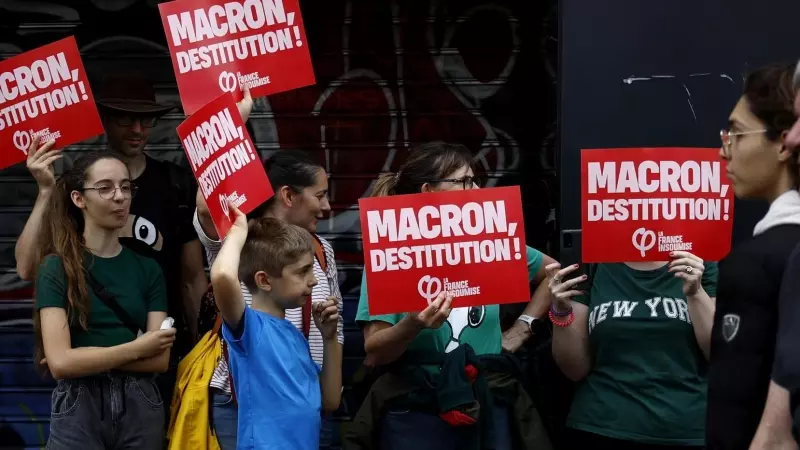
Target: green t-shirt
(478, 326)
(136, 282)
(648, 379)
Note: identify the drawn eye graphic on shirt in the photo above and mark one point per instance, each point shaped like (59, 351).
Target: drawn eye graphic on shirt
(476, 315)
(460, 319)
(144, 231)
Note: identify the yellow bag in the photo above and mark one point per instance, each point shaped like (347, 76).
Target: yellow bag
(189, 427)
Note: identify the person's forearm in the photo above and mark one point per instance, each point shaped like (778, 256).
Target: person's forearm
(226, 266)
(775, 429)
(154, 364)
(701, 311)
(385, 346)
(206, 222)
(570, 346)
(331, 376)
(540, 302)
(84, 361)
(26, 250)
(225, 279)
(193, 289)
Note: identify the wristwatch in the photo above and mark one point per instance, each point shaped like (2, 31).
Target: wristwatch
(528, 320)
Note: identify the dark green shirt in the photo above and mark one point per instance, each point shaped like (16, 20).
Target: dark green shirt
(648, 378)
(136, 282)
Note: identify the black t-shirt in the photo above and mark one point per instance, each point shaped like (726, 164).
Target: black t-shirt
(743, 337)
(160, 222)
(786, 370)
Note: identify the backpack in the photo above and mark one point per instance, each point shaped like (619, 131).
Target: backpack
(190, 410)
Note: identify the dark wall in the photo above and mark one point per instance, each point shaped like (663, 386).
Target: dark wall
(390, 73)
(661, 73)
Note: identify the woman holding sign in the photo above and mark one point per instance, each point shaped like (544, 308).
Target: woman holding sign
(636, 339)
(747, 399)
(301, 198)
(93, 297)
(398, 339)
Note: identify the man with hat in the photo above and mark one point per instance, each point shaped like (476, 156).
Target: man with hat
(160, 220)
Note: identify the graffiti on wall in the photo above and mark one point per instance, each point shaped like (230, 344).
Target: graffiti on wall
(390, 74)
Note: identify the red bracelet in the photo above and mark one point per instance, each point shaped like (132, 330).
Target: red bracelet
(563, 323)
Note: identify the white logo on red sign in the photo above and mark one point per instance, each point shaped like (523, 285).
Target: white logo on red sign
(223, 202)
(429, 287)
(227, 81)
(235, 198)
(22, 140)
(643, 240)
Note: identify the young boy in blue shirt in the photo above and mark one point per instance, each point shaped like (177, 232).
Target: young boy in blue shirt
(279, 388)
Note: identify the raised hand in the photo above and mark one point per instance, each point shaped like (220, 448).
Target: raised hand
(688, 268)
(436, 313)
(154, 343)
(326, 316)
(40, 163)
(239, 219)
(245, 105)
(561, 292)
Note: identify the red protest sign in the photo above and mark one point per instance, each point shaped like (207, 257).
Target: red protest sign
(470, 243)
(45, 94)
(640, 204)
(219, 45)
(224, 160)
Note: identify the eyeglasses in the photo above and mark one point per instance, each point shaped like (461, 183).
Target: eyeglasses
(107, 192)
(128, 121)
(466, 182)
(727, 142)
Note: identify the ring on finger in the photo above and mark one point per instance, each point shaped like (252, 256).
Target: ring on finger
(556, 280)
(689, 269)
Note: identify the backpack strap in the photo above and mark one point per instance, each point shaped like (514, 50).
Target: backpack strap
(218, 331)
(230, 372)
(319, 249)
(111, 302)
(319, 252)
(217, 324)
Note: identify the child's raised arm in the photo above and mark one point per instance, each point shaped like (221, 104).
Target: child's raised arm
(225, 271)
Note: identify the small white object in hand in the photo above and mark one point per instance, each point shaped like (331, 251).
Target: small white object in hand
(167, 323)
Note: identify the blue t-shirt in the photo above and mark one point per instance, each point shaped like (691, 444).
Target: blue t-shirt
(277, 384)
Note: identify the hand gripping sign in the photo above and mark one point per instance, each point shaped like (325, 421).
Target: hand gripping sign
(469, 243)
(218, 46)
(640, 204)
(224, 160)
(45, 95)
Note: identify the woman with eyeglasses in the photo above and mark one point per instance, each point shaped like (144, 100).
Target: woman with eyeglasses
(762, 167)
(99, 313)
(396, 341)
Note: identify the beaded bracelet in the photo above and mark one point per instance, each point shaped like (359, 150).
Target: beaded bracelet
(559, 313)
(562, 323)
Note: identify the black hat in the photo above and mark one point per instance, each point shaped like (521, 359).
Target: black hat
(130, 94)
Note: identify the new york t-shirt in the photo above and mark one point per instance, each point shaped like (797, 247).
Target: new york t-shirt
(648, 379)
